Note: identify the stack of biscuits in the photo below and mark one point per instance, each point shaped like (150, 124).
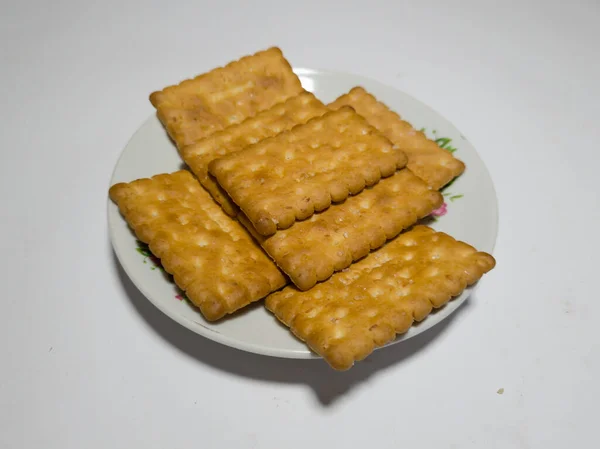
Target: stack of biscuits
(312, 208)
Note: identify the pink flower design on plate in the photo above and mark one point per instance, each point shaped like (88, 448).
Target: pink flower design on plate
(440, 211)
(179, 297)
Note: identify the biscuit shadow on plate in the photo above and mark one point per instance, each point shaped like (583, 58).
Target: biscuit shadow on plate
(328, 384)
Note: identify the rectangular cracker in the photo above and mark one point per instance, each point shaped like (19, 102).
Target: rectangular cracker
(312, 250)
(345, 318)
(197, 107)
(211, 256)
(281, 117)
(426, 159)
(290, 176)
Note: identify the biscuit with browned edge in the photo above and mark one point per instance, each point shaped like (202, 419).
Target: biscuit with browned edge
(426, 159)
(197, 107)
(210, 255)
(312, 250)
(281, 117)
(302, 171)
(345, 318)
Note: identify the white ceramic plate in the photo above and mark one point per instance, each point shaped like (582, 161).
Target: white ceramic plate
(470, 214)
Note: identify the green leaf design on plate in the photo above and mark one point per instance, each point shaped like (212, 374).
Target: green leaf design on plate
(444, 142)
(143, 249)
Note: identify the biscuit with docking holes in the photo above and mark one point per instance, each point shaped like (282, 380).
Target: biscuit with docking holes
(291, 176)
(436, 166)
(312, 250)
(281, 117)
(346, 317)
(210, 255)
(197, 107)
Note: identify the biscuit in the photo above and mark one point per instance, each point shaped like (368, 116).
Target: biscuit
(197, 107)
(211, 256)
(281, 117)
(312, 250)
(426, 159)
(345, 318)
(301, 171)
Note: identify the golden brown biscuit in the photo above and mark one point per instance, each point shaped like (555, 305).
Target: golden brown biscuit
(426, 159)
(211, 256)
(345, 318)
(281, 117)
(298, 172)
(197, 107)
(312, 250)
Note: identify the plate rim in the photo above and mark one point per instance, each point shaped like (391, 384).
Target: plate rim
(306, 354)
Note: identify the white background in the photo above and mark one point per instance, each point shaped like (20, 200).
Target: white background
(86, 361)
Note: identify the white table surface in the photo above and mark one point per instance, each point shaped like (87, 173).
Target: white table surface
(88, 362)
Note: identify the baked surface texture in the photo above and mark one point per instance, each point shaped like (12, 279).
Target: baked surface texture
(346, 317)
(436, 166)
(291, 176)
(210, 255)
(197, 107)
